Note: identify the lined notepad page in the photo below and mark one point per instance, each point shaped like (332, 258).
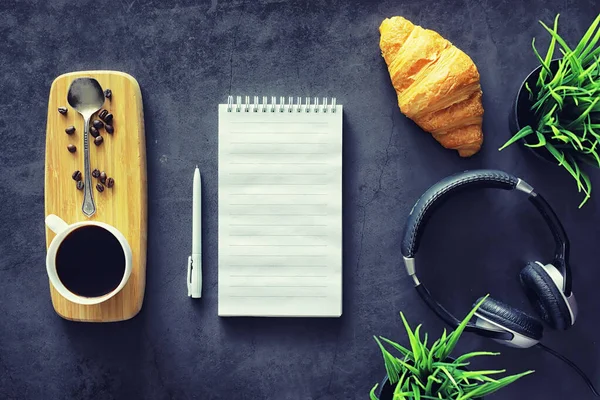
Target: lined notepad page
(280, 213)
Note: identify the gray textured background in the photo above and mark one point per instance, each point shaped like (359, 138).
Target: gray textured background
(189, 55)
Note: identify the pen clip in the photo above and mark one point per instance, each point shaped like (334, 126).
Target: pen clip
(189, 275)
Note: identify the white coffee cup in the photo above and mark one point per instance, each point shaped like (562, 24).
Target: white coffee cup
(62, 230)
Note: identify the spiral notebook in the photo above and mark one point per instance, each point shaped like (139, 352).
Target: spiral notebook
(280, 207)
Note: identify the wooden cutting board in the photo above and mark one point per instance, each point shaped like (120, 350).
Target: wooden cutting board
(123, 157)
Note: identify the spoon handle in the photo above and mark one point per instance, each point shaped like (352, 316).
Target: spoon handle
(88, 208)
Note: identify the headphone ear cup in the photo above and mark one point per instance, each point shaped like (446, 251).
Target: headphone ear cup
(510, 318)
(545, 296)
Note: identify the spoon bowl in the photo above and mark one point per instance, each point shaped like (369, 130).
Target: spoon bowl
(86, 97)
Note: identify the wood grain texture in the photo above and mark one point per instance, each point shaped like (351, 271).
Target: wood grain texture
(123, 157)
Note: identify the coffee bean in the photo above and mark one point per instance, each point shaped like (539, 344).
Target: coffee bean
(103, 177)
(96, 173)
(80, 185)
(76, 175)
(98, 141)
(108, 93)
(70, 130)
(98, 124)
(102, 114)
(63, 110)
(109, 128)
(94, 132)
(110, 182)
(100, 187)
(71, 148)
(108, 118)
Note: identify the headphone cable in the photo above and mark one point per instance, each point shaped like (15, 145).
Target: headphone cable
(572, 365)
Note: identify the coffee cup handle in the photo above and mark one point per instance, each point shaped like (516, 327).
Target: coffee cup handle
(56, 224)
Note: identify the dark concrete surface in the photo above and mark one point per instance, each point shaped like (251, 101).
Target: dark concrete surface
(189, 55)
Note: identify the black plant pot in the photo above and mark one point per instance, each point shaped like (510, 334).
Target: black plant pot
(385, 391)
(521, 116)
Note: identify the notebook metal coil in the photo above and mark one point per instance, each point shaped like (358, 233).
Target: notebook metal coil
(299, 105)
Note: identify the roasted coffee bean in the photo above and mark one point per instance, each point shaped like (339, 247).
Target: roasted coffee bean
(63, 110)
(71, 148)
(108, 93)
(80, 185)
(109, 128)
(108, 118)
(98, 124)
(102, 114)
(110, 182)
(96, 173)
(98, 141)
(103, 177)
(100, 187)
(76, 175)
(94, 132)
(70, 130)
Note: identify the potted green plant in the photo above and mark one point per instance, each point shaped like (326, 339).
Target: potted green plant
(557, 110)
(428, 372)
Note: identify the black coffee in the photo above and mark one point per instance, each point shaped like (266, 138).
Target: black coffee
(90, 261)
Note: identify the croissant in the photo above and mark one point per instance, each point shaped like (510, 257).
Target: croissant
(437, 84)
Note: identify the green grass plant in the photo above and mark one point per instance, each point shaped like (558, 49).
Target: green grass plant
(427, 372)
(566, 105)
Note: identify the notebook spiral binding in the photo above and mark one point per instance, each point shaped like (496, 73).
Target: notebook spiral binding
(273, 106)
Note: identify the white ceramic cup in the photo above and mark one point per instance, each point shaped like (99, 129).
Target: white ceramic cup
(62, 230)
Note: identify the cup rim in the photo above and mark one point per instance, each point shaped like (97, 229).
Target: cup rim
(53, 275)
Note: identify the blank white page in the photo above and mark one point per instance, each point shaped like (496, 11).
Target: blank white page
(280, 212)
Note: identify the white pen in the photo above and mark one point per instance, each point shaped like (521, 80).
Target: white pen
(194, 275)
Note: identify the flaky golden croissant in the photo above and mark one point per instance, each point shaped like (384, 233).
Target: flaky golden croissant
(437, 84)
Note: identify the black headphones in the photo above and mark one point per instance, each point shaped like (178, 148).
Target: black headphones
(548, 286)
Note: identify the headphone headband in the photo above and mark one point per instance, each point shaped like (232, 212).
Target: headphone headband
(562, 249)
(445, 188)
(436, 194)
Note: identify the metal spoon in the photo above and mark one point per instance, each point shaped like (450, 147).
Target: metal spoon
(86, 96)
